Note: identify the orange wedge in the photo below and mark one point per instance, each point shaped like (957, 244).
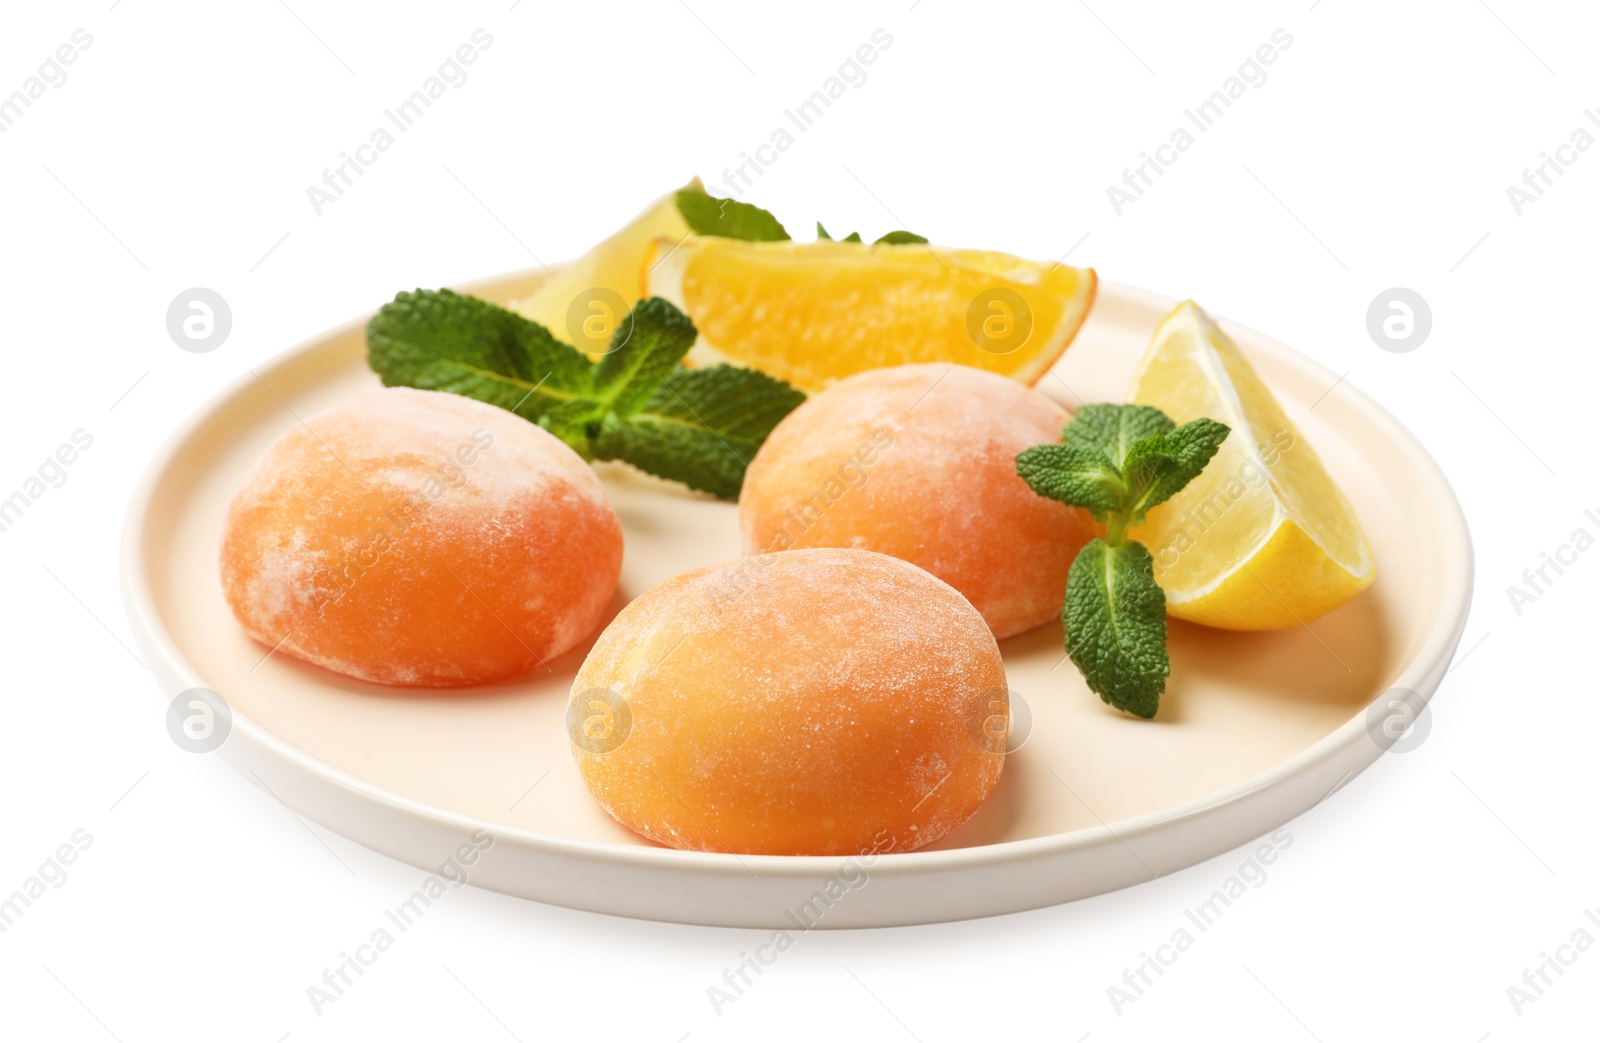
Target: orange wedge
(813, 313)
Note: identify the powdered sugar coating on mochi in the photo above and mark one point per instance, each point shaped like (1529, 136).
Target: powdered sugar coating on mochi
(420, 538)
(805, 702)
(920, 462)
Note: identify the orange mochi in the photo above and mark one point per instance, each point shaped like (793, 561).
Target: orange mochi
(919, 462)
(810, 702)
(420, 538)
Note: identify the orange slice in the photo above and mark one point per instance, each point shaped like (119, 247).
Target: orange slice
(812, 313)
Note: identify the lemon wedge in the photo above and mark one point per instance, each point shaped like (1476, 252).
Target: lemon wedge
(1263, 539)
(582, 301)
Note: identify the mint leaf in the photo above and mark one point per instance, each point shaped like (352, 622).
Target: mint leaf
(729, 218)
(646, 346)
(822, 233)
(701, 427)
(442, 341)
(1075, 475)
(1114, 430)
(1161, 465)
(1116, 622)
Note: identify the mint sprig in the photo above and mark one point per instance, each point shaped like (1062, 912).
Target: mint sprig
(711, 215)
(1117, 462)
(638, 404)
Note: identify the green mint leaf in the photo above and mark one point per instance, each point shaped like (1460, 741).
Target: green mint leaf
(853, 237)
(1160, 465)
(646, 346)
(701, 427)
(729, 218)
(822, 233)
(1116, 622)
(1114, 430)
(900, 237)
(1074, 475)
(439, 340)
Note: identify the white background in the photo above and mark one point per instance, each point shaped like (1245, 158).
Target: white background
(1377, 154)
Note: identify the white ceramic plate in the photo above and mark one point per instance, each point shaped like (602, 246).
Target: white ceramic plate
(1254, 728)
